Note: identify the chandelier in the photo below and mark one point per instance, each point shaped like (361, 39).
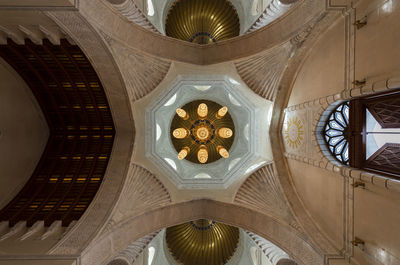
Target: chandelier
(202, 132)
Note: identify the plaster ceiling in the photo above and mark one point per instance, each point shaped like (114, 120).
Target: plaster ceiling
(250, 114)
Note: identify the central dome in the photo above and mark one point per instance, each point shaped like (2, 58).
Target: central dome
(202, 21)
(202, 242)
(202, 131)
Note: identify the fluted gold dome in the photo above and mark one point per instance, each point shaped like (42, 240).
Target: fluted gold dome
(202, 242)
(202, 21)
(202, 131)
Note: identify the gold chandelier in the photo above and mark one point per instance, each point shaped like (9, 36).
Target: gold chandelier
(202, 242)
(202, 21)
(202, 132)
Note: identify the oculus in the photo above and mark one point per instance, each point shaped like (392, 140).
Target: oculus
(202, 132)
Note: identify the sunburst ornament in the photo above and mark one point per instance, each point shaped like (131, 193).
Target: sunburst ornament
(294, 133)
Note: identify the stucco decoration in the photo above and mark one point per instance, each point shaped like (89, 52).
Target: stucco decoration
(290, 240)
(96, 215)
(142, 73)
(130, 10)
(131, 253)
(295, 132)
(250, 116)
(273, 11)
(261, 191)
(142, 192)
(263, 72)
(273, 253)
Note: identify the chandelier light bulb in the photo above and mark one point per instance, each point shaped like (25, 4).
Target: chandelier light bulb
(182, 113)
(202, 110)
(183, 153)
(223, 152)
(180, 133)
(225, 133)
(221, 112)
(202, 154)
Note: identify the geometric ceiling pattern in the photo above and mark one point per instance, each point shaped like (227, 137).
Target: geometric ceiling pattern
(75, 106)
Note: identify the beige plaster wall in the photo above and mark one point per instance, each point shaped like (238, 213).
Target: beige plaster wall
(23, 133)
(322, 193)
(376, 210)
(322, 73)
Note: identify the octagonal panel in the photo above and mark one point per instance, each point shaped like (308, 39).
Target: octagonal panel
(250, 114)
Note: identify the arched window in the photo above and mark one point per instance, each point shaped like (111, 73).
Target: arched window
(150, 8)
(254, 255)
(364, 133)
(375, 133)
(336, 133)
(150, 256)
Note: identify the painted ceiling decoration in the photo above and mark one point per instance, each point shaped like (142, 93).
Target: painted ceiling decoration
(202, 21)
(202, 131)
(81, 127)
(202, 242)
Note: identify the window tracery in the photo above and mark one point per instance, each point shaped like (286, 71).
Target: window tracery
(336, 133)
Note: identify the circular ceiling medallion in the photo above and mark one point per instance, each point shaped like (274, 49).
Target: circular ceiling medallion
(202, 242)
(202, 132)
(202, 21)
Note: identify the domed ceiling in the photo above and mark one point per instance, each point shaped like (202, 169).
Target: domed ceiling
(202, 21)
(202, 242)
(202, 132)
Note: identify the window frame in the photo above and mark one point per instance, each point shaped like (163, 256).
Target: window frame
(358, 135)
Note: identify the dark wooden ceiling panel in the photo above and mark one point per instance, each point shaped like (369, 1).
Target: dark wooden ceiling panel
(75, 159)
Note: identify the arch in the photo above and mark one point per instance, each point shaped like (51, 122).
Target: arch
(335, 132)
(100, 16)
(91, 43)
(123, 234)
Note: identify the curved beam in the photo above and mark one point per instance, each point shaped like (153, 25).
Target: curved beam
(113, 25)
(99, 210)
(125, 233)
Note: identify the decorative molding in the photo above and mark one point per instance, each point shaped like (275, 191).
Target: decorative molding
(273, 11)
(142, 192)
(37, 231)
(324, 106)
(262, 73)
(72, 5)
(142, 73)
(261, 191)
(132, 12)
(316, 237)
(273, 253)
(132, 252)
(296, 244)
(96, 216)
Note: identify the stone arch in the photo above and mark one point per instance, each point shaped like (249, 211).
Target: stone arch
(78, 29)
(123, 234)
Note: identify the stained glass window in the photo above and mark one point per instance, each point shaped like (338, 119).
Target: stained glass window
(336, 133)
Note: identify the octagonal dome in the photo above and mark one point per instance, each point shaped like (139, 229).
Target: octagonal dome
(250, 114)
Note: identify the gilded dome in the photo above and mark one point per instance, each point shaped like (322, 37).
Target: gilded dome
(202, 21)
(202, 242)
